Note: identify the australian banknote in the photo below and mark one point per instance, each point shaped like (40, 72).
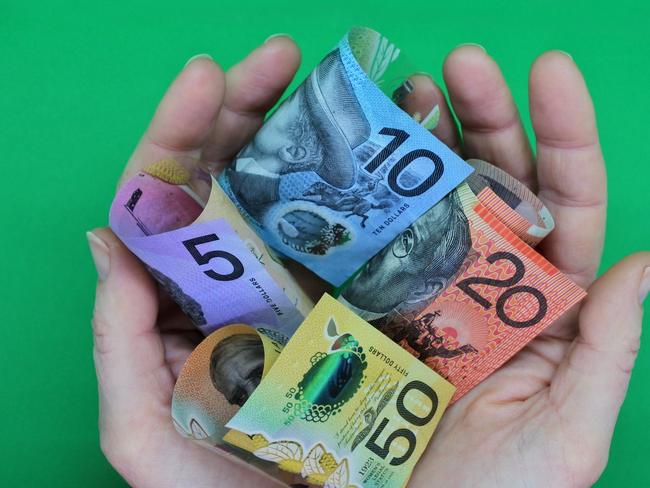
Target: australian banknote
(511, 202)
(217, 379)
(339, 170)
(460, 290)
(342, 406)
(208, 259)
(219, 376)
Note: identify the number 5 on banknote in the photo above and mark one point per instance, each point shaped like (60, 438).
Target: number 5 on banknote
(204, 258)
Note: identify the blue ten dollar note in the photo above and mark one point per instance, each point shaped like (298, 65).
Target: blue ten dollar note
(339, 170)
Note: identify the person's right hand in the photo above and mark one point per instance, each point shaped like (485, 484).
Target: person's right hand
(546, 417)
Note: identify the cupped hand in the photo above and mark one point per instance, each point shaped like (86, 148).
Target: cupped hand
(544, 419)
(142, 338)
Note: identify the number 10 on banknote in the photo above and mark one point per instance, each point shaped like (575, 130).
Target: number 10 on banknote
(339, 170)
(343, 405)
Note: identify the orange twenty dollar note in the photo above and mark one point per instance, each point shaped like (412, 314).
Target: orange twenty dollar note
(464, 320)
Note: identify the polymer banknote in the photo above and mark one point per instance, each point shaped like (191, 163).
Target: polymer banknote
(216, 380)
(460, 290)
(342, 406)
(339, 170)
(512, 202)
(431, 258)
(206, 257)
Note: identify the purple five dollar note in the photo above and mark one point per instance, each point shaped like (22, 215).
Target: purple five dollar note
(205, 267)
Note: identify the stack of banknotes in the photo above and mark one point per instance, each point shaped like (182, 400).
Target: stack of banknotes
(352, 274)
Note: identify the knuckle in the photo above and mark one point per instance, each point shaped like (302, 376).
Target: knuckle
(628, 358)
(101, 334)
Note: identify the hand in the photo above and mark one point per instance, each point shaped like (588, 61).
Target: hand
(142, 340)
(546, 418)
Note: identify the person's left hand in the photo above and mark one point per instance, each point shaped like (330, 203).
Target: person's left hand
(141, 338)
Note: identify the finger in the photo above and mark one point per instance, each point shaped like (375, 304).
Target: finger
(428, 106)
(570, 165)
(128, 351)
(184, 118)
(591, 382)
(490, 123)
(252, 87)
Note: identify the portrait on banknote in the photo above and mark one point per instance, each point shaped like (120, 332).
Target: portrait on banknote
(417, 266)
(216, 380)
(236, 366)
(316, 129)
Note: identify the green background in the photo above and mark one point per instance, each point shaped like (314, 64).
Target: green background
(78, 84)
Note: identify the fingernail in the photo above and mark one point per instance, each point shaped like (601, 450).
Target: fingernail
(100, 253)
(566, 54)
(279, 34)
(645, 285)
(472, 44)
(197, 56)
(423, 73)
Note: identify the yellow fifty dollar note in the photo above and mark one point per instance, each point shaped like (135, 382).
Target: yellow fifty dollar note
(342, 406)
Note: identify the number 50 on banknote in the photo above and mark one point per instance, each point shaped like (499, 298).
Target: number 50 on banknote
(343, 405)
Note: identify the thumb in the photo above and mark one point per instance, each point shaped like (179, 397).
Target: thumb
(592, 381)
(128, 350)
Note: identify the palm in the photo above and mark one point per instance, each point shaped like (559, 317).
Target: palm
(513, 419)
(527, 418)
(168, 459)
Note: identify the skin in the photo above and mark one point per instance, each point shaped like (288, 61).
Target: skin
(544, 419)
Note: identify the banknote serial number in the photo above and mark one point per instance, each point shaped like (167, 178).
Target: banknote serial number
(520, 270)
(399, 137)
(203, 258)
